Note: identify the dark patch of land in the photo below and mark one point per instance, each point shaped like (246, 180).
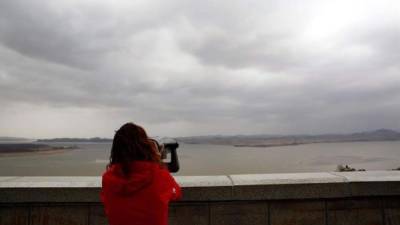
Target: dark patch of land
(7, 148)
(284, 140)
(14, 139)
(94, 139)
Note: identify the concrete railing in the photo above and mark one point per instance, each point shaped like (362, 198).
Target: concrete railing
(300, 198)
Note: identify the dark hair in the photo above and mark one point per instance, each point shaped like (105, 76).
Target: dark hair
(131, 143)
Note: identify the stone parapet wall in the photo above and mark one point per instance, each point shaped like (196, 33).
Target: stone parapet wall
(352, 198)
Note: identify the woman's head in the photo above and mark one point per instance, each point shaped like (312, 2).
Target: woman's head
(131, 143)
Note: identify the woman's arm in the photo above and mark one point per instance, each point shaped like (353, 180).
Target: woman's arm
(176, 190)
(173, 187)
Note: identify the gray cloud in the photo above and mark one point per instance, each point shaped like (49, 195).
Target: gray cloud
(186, 68)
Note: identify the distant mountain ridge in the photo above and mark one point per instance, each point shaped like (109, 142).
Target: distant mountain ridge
(259, 140)
(281, 140)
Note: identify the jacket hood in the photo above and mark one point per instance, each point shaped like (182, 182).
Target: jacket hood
(141, 175)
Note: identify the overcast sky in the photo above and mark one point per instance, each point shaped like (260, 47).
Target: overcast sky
(180, 68)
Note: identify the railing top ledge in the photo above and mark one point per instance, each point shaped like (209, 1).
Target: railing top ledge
(215, 188)
(210, 181)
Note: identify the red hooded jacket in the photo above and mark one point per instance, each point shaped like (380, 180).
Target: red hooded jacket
(140, 199)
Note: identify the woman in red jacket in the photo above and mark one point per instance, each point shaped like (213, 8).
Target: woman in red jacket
(136, 186)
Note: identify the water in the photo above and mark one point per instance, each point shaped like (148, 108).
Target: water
(91, 158)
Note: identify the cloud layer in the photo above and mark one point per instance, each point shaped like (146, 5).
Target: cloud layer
(82, 68)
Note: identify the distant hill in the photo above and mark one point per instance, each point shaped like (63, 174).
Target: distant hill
(381, 134)
(94, 139)
(281, 140)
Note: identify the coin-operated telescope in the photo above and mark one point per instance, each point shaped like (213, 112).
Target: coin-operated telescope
(167, 148)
